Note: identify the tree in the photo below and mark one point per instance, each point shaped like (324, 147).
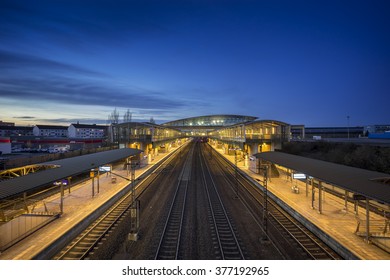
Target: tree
(113, 118)
(127, 116)
(152, 120)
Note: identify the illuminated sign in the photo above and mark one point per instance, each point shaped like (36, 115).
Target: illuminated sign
(105, 168)
(299, 176)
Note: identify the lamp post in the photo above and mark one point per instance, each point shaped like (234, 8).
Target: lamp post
(348, 125)
(265, 206)
(135, 206)
(236, 171)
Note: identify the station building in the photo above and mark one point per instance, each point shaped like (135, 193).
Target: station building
(202, 126)
(235, 134)
(151, 138)
(252, 137)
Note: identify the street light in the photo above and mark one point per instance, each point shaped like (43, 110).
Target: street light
(348, 125)
(236, 171)
(135, 206)
(265, 206)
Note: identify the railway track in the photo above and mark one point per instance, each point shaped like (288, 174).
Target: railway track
(169, 245)
(311, 245)
(294, 233)
(84, 245)
(226, 243)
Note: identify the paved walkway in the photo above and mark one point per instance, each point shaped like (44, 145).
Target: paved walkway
(334, 220)
(78, 204)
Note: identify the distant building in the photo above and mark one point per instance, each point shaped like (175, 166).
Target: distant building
(297, 131)
(377, 128)
(328, 132)
(50, 130)
(77, 130)
(5, 145)
(378, 131)
(14, 131)
(6, 123)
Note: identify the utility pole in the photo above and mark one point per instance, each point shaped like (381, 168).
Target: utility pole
(134, 206)
(236, 171)
(265, 206)
(62, 198)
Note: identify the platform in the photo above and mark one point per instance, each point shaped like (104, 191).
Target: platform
(78, 205)
(334, 220)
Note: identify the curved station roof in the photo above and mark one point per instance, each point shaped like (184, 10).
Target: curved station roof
(64, 168)
(356, 180)
(211, 121)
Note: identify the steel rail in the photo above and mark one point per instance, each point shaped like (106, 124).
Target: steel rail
(86, 241)
(228, 243)
(307, 241)
(168, 247)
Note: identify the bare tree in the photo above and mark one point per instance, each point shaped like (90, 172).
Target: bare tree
(127, 116)
(113, 118)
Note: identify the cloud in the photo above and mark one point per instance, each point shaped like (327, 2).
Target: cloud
(24, 117)
(33, 78)
(10, 61)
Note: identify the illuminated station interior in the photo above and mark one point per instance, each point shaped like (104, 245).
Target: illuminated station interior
(244, 135)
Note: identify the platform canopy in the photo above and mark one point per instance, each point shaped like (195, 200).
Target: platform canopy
(64, 168)
(370, 184)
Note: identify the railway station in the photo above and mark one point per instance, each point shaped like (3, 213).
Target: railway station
(347, 208)
(244, 135)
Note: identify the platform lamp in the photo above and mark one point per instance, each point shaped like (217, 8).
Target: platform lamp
(62, 198)
(265, 205)
(134, 206)
(236, 171)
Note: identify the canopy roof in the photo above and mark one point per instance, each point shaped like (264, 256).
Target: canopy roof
(210, 121)
(65, 168)
(356, 180)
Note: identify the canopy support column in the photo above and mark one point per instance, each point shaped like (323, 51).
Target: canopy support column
(320, 197)
(367, 220)
(307, 187)
(313, 195)
(62, 199)
(98, 180)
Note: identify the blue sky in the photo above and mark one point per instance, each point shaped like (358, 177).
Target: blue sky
(301, 62)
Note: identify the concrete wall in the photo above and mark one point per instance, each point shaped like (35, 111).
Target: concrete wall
(18, 228)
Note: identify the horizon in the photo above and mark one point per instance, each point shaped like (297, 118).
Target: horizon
(159, 123)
